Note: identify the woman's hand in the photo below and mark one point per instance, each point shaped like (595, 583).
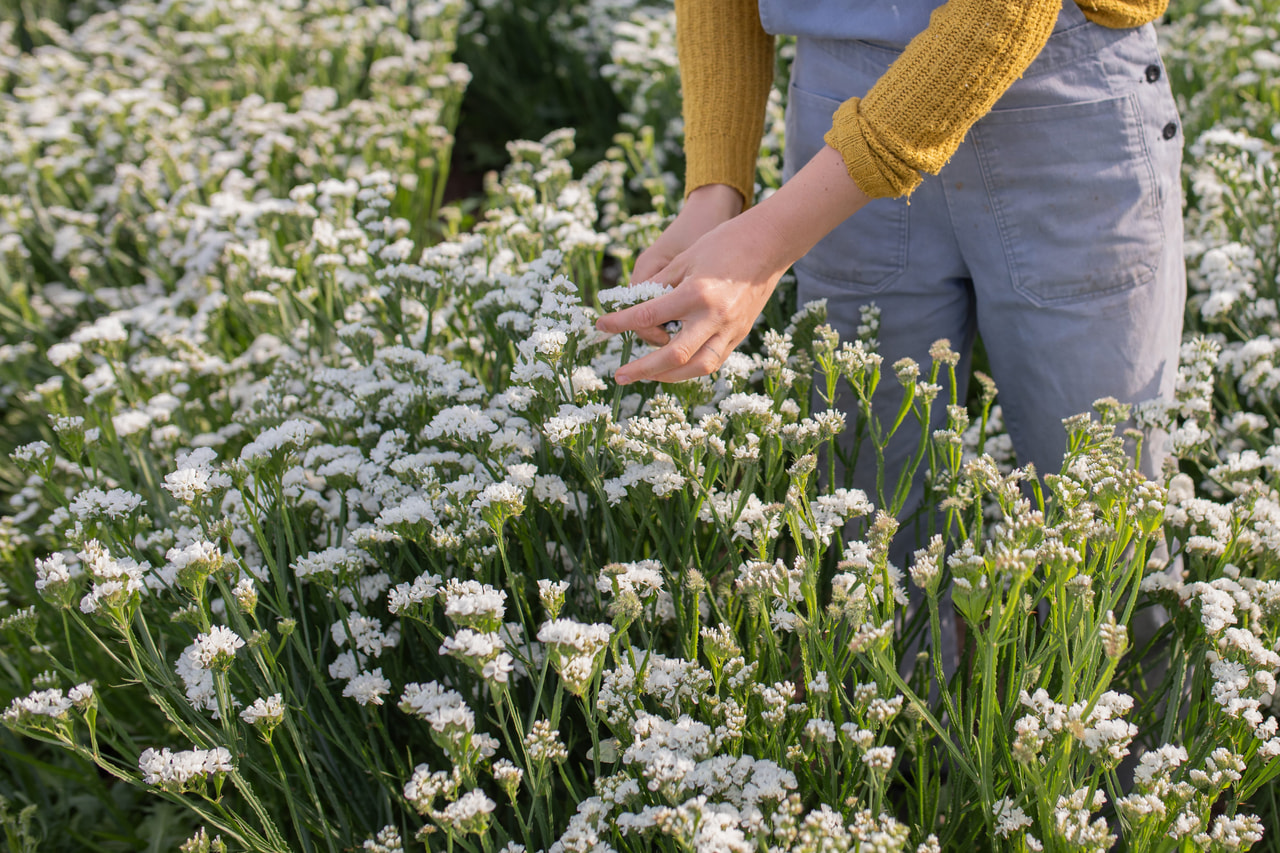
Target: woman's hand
(724, 276)
(706, 208)
(722, 282)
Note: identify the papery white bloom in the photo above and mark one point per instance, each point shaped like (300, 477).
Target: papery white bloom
(408, 596)
(469, 814)
(264, 712)
(116, 581)
(329, 562)
(471, 604)
(49, 703)
(52, 572)
(644, 578)
(1009, 818)
(443, 709)
(290, 435)
(178, 770)
(81, 695)
(368, 688)
(195, 475)
(365, 634)
(615, 298)
(93, 503)
(217, 648)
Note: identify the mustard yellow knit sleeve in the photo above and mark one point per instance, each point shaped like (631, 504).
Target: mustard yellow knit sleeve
(1120, 14)
(726, 70)
(949, 76)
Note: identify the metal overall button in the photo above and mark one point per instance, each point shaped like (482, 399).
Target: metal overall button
(1153, 73)
(1170, 130)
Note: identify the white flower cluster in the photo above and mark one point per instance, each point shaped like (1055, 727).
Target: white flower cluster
(117, 582)
(181, 771)
(1099, 728)
(42, 707)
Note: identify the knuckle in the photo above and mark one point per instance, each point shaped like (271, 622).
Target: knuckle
(682, 353)
(706, 362)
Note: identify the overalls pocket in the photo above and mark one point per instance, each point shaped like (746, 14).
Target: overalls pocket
(1099, 230)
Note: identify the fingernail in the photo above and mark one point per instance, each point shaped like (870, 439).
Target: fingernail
(622, 379)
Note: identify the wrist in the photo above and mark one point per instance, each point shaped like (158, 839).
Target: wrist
(720, 200)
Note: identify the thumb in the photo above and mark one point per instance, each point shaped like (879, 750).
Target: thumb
(649, 265)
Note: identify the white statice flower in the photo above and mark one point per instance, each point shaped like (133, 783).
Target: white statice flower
(1099, 729)
(484, 652)
(53, 574)
(508, 776)
(216, 649)
(181, 771)
(463, 423)
(117, 582)
(551, 594)
(189, 565)
(82, 696)
(386, 841)
(879, 759)
(292, 435)
(328, 564)
(572, 421)
(38, 707)
(413, 598)
(1071, 820)
(499, 501)
(1231, 834)
(574, 649)
(130, 422)
(245, 595)
(543, 743)
(264, 712)
(642, 578)
(197, 680)
(441, 708)
(615, 298)
(35, 456)
(195, 476)
(426, 785)
(475, 605)
(93, 504)
(367, 688)
(1009, 818)
(468, 814)
(831, 511)
(365, 635)
(64, 352)
(820, 730)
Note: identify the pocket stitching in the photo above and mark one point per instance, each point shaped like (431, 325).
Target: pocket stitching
(985, 146)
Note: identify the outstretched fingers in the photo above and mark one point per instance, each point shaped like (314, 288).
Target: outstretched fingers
(696, 350)
(647, 315)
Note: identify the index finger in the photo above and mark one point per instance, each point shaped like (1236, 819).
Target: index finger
(677, 353)
(646, 315)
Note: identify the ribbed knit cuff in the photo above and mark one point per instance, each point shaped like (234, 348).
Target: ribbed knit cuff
(848, 136)
(722, 160)
(1123, 14)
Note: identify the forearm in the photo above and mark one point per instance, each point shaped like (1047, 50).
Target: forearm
(726, 70)
(805, 209)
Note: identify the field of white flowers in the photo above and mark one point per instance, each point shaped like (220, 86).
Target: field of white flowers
(325, 527)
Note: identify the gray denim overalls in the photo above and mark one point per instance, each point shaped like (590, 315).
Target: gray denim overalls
(1055, 230)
